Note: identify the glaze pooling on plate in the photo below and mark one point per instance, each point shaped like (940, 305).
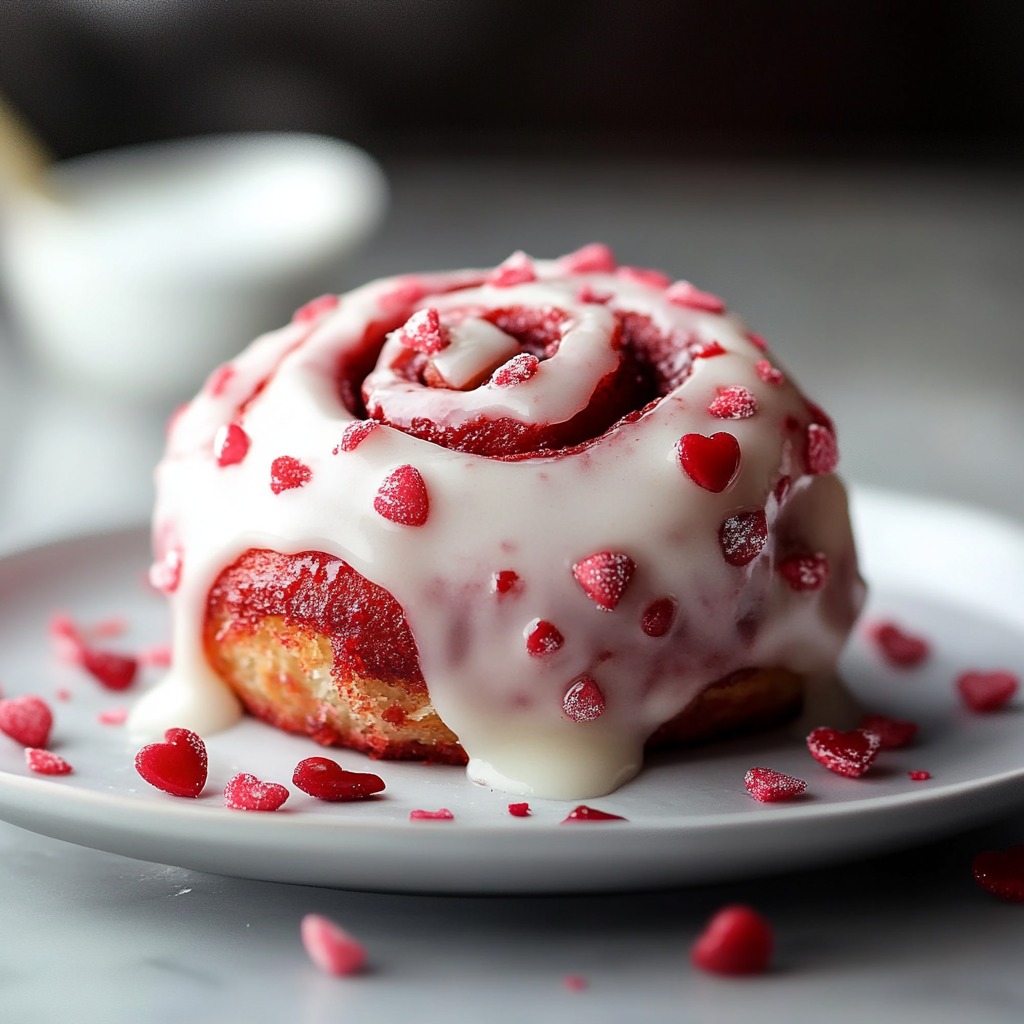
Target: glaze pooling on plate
(655, 546)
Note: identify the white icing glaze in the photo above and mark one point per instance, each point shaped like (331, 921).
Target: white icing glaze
(538, 516)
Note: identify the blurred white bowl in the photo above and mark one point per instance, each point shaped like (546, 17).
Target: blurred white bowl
(150, 265)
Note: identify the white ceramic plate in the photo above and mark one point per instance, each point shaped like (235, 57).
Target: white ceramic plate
(954, 574)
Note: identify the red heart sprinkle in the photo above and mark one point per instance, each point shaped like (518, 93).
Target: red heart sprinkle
(504, 581)
(644, 275)
(595, 258)
(518, 369)
(757, 340)
(287, 473)
(27, 720)
(733, 403)
(519, 810)
(805, 572)
(176, 766)
(899, 649)
(987, 691)
(583, 701)
(743, 536)
(331, 948)
(658, 617)
(247, 793)
(585, 813)
(893, 733)
(327, 780)
(517, 269)
(846, 753)
(354, 435)
(443, 814)
(230, 445)
(604, 577)
(43, 762)
(423, 333)
(771, 787)
(542, 637)
(113, 671)
(1001, 873)
(710, 462)
(682, 293)
(402, 497)
(820, 449)
(737, 940)
(768, 373)
(315, 308)
(919, 776)
(707, 350)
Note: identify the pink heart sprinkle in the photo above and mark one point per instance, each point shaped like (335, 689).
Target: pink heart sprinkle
(231, 445)
(805, 572)
(26, 719)
(287, 473)
(770, 787)
(743, 536)
(849, 754)
(733, 403)
(542, 637)
(517, 269)
(402, 497)
(443, 814)
(330, 947)
(584, 701)
(987, 691)
(682, 293)
(595, 258)
(736, 941)
(604, 577)
(424, 333)
(43, 762)
(245, 792)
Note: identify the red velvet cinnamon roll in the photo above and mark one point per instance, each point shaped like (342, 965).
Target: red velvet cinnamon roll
(534, 518)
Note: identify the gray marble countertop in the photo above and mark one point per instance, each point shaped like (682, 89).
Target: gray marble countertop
(897, 295)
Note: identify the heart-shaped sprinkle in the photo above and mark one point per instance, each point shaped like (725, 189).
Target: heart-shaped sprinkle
(355, 434)
(604, 577)
(1001, 873)
(113, 716)
(327, 780)
(645, 276)
(287, 473)
(177, 766)
(111, 670)
(987, 691)
(583, 701)
(707, 350)
(504, 581)
(893, 733)
(442, 814)
(743, 536)
(710, 462)
(331, 948)
(519, 810)
(230, 445)
(845, 753)
(43, 762)
(27, 720)
(585, 813)
(919, 776)
(737, 940)
(733, 403)
(402, 497)
(595, 258)
(658, 616)
(682, 293)
(315, 309)
(772, 787)
(821, 451)
(805, 572)
(757, 340)
(517, 269)
(517, 370)
(768, 373)
(424, 333)
(542, 637)
(898, 648)
(247, 793)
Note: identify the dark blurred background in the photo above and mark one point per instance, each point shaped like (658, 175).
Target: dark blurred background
(731, 78)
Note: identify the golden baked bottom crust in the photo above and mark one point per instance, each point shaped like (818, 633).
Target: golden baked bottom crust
(288, 634)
